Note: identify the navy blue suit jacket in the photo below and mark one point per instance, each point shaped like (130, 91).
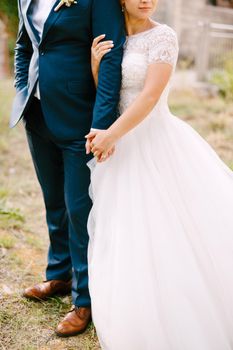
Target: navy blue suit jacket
(61, 62)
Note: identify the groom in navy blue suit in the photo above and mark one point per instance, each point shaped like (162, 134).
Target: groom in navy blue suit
(58, 102)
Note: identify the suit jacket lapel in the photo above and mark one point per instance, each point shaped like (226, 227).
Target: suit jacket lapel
(25, 5)
(51, 19)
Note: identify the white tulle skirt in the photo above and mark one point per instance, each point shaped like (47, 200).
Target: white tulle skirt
(161, 242)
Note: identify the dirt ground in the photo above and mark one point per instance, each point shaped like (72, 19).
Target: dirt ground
(26, 325)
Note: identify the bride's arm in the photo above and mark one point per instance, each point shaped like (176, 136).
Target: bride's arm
(158, 75)
(98, 50)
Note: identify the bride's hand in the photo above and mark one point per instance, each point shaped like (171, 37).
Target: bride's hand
(102, 144)
(98, 50)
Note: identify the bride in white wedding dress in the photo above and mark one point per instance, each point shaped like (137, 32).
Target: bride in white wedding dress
(161, 226)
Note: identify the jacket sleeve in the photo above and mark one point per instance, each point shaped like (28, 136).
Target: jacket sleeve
(107, 18)
(23, 54)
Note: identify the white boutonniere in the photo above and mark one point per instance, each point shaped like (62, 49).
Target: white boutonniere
(67, 3)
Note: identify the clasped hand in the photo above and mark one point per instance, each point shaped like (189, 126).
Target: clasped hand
(101, 143)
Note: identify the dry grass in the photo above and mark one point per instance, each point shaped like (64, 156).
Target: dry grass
(23, 247)
(23, 239)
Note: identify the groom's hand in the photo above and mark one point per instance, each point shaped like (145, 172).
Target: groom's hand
(89, 146)
(89, 139)
(102, 144)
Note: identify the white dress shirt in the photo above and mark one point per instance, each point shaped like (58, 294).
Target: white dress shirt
(40, 11)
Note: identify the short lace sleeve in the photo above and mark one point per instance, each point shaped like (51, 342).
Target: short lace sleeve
(163, 47)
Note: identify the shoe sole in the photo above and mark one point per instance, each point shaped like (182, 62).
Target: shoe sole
(61, 335)
(34, 298)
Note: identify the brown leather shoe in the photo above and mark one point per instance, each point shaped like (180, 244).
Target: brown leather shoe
(75, 322)
(47, 289)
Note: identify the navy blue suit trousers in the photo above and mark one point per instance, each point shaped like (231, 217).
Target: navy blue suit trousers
(64, 178)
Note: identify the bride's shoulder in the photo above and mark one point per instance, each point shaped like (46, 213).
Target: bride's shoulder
(162, 32)
(163, 45)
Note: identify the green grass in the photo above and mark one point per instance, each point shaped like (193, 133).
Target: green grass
(7, 241)
(3, 193)
(16, 260)
(34, 241)
(35, 329)
(11, 218)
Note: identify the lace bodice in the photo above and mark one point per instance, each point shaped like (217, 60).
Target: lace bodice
(158, 44)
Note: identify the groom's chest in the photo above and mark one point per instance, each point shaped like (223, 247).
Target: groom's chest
(42, 18)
